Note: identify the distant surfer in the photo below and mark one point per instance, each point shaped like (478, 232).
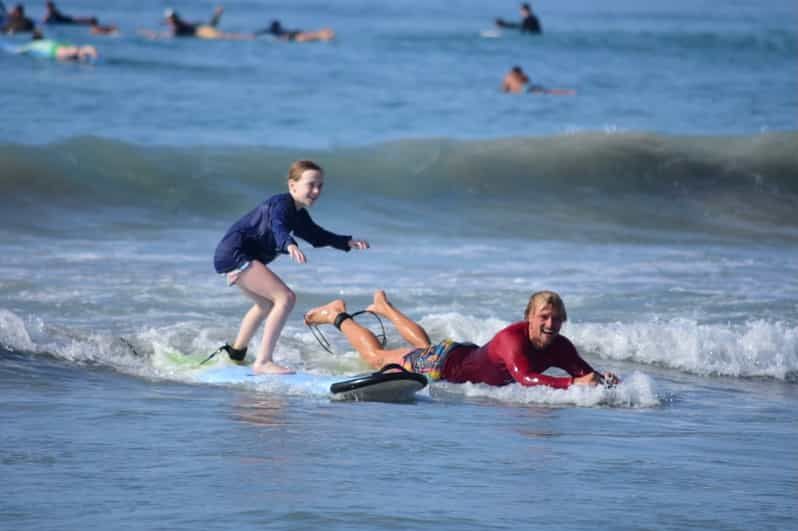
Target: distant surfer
(53, 16)
(179, 27)
(529, 22)
(516, 81)
(16, 21)
(258, 238)
(277, 30)
(519, 353)
(50, 49)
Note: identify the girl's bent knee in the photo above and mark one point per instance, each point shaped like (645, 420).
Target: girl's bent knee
(286, 299)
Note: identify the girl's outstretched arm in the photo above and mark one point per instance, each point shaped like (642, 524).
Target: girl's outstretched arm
(358, 244)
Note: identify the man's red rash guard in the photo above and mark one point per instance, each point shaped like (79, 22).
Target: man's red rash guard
(510, 356)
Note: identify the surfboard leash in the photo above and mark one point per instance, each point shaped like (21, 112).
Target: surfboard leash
(211, 356)
(325, 343)
(237, 355)
(129, 345)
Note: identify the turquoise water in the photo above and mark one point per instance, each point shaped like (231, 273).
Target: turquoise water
(659, 201)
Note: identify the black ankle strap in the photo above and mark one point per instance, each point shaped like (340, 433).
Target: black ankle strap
(234, 353)
(340, 318)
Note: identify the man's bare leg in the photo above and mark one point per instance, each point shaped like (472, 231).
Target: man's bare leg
(410, 330)
(360, 337)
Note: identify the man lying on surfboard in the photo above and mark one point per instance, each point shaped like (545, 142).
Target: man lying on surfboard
(520, 353)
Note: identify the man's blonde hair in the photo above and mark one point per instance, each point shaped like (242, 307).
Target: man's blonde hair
(299, 167)
(544, 298)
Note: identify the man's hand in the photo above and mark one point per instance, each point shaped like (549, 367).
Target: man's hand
(595, 378)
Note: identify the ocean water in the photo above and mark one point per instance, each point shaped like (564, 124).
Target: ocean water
(660, 200)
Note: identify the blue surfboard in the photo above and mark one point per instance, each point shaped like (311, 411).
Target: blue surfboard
(392, 383)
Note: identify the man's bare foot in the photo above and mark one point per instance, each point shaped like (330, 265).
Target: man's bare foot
(270, 368)
(381, 305)
(325, 314)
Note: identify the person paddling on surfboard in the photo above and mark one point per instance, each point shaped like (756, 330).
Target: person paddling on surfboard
(50, 49)
(15, 21)
(516, 81)
(519, 353)
(179, 27)
(277, 31)
(258, 238)
(53, 16)
(529, 22)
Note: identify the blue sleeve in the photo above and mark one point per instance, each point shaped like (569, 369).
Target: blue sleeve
(282, 212)
(306, 229)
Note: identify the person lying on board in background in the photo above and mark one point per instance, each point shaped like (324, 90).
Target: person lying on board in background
(258, 238)
(50, 49)
(516, 81)
(178, 27)
(53, 16)
(16, 22)
(529, 22)
(520, 353)
(277, 30)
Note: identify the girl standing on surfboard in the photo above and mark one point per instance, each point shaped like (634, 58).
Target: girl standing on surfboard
(255, 240)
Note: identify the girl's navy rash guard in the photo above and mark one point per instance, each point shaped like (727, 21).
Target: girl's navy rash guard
(265, 232)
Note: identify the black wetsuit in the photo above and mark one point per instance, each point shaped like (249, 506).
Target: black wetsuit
(17, 24)
(276, 29)
(56, 17)
(187, 29)
(529, 24)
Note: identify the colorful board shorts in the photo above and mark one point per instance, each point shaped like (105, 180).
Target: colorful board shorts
(429, 361)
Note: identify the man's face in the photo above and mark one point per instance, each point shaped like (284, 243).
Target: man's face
(544, 325)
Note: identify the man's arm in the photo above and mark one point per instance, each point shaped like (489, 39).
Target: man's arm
(518, 365)
(500, 22)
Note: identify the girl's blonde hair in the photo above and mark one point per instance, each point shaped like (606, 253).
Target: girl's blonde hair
(299, 167)
(544, 298)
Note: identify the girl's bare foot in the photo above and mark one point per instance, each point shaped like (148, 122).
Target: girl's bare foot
(381, 305)
(270, 367)
(325, 314)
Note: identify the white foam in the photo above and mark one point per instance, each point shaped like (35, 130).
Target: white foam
(13, 332)
(754, 348)
(635, 391)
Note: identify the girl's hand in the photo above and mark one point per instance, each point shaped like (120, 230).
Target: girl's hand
(296, 254)
(358, 244)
